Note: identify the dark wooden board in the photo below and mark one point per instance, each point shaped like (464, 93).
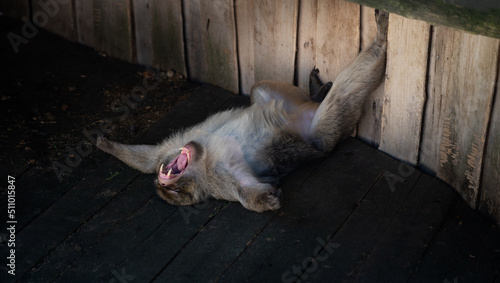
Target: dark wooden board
(412, 230)
(56, 16)
(15, 8)
(467, 249)
(112, 28)
(69, 213)
(111, 217)
(365, 227)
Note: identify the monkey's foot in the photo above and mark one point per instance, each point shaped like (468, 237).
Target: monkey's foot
(268, 200)
(382, 19)
(317, 90)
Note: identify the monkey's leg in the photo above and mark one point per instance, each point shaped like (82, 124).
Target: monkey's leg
(317, 90)
(340, 111)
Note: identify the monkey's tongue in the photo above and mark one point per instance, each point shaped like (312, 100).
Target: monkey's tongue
(182, 161)
(175, 168)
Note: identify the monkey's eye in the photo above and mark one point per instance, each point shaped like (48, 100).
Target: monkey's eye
(176, 168)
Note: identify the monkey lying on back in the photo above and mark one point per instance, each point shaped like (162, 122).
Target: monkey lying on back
(238, 154)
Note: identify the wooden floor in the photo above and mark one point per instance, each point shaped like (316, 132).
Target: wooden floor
(358, 215)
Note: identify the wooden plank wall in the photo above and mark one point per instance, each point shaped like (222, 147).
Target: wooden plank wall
(438, 109)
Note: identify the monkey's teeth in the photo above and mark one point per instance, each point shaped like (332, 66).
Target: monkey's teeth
(187, 152)
(169, 173)
(161, 168)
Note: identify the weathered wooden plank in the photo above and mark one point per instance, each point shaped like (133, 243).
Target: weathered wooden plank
(211, 43)
(55, 17)
(167, 36)
(99, 260)
(244, 12)
(159, 34)
(407, 53)
(15, 8)
(370, 124)
(115, 215)
(215, 246)
(480, 17)
(328, 38)
(35, 241)
(267, 48)
(315, 211)
(306, 42)
(143, 34)
(412, 229)
(489, 203)
(466, 249)
(112, 28)
(84, 13)
(365, 227)
(460, 93)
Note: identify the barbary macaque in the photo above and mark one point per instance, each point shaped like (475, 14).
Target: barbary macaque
(240, 154)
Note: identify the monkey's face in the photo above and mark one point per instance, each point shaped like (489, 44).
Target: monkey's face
(177, 180)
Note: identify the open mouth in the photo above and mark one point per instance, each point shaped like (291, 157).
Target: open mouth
(176, 168)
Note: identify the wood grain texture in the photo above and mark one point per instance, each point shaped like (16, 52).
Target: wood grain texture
(328, 38)
(143, 38)
(55, 17)
(112, 28)
(211, 43)
(159, 34)
(461, 86)
(15, 8)
(266, 40)
(370, 124)
(306, 42)
(490, 190)
(408, 44)
(85, 22)
(167, 35)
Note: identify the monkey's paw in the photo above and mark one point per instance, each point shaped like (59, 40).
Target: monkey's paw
(103, 144)
(382, 19)
(270, 200)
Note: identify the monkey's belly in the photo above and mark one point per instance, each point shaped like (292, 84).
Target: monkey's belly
(285, 153)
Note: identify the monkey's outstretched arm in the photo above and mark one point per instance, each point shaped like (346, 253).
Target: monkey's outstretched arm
(338, 114)
(141, 157)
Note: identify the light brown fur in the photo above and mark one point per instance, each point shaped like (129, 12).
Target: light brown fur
(281, 129)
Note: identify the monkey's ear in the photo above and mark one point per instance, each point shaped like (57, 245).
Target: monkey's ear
(141, 157)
